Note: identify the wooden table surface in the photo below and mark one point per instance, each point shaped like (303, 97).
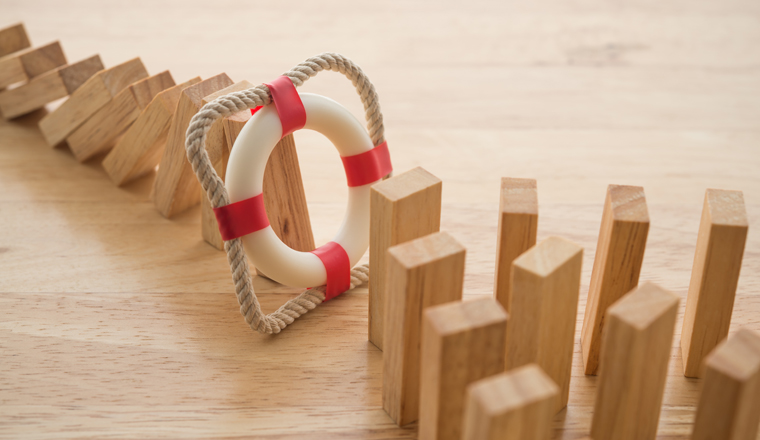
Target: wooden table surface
(118, 323)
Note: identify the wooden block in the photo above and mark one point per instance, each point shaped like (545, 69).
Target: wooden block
(518, 225)
(402, 208)
(96, 92)
(176, 188)
(421, 273)
(517, 405)
(13, 38)
(714, 276)
(546, 281)
(99, 133)
(729, 407)
(140, 149)
(48, 87)
(617, 264)
(462, 342)
(30, 63)
(638, 337)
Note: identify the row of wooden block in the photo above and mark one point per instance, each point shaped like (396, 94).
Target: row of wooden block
(435, 346)
(135, 123)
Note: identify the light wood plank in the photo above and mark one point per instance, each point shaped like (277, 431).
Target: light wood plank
(13, 38)
(30, 63)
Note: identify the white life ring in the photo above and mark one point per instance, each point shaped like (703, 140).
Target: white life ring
(245, 179)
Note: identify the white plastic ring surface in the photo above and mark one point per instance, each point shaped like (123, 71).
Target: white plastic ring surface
(245, 179)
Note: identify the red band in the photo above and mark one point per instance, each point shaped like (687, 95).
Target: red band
(288, 104)
(337, 266)
(241, 218)
(368, 167)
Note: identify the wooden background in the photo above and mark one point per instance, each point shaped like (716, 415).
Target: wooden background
(118, 323)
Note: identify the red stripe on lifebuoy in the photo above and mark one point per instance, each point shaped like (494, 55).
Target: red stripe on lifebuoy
(242, 218)
(288, 104)
(368, 167)
(338, 268)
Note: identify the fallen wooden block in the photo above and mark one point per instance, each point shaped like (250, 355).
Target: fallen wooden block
(30, 63)
(462, 342)
(99, 133)
(714, 276)
(402, 208)
(421, 273)
(546, 281)
(617, 264)
(48, 87)
(638, 337)
(96, 92)
(518, 225)
(517, 405)
(139, 150)
(729, 406)
(13, 38)
(176, 188)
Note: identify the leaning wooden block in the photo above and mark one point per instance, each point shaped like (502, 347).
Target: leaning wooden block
(638, 337)
(714, 276)
(13, 38)
(402, 208)
(462, 342)
(420, 273)
(518, 225)
(140, 149)
(99, 133)
(48, 87)
(96, 92)
(617, 264)
(546, 281)
(30, 63)
(517, 405)
(729, 407)
(176, 188)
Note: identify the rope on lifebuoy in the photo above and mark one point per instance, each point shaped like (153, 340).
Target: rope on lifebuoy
(195, 146)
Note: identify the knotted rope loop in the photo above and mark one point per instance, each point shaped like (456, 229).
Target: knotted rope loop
(195, 146)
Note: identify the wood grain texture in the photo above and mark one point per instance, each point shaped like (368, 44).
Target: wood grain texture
(546, 281)
(729, 406)
(714, 276)
(402, 208)
(132, 330)
(13, 38)
(637, 341)
(421, 273)
(30, 63)
(176, 188)
(139, 151)
(88, 98)
(462, 342)
(516, 231)
(47, 87)
(617, 264)
(516, 405)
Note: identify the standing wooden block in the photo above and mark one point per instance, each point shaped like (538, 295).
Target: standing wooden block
(96, 92)
(13, 38)
(518, 225)
(402, 208)
(102, 130)
(619, 254)
(140, 149)
(517, 405)
(729, 407)
(546, 281)
(30, 63)
(638, 337)
(714, 276)
(48, 87)
(462, 342)
(176, 188)
(420, 273)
